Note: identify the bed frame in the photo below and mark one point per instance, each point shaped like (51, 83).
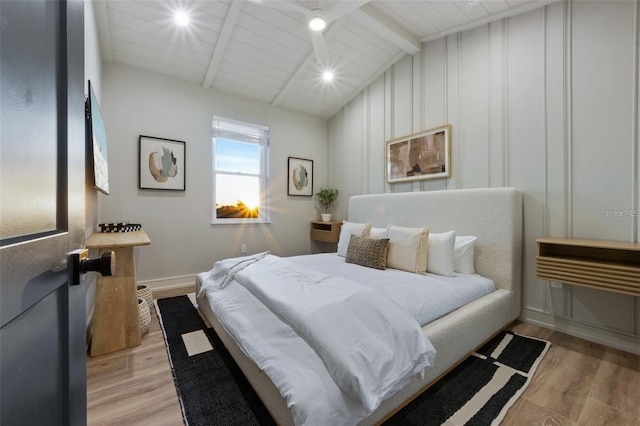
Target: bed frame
(494, 216)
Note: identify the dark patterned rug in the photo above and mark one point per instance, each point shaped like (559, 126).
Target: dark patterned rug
(213, 390)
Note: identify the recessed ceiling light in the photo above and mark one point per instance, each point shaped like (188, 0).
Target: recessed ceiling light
(327, 75)
(181, 18)
(317, 22)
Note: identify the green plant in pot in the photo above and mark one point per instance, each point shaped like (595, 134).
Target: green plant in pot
(326, 197)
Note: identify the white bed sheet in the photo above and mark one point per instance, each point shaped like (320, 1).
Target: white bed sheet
(426, 297)
(292, 365)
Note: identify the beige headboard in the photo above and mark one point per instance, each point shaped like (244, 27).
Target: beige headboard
(494, 215)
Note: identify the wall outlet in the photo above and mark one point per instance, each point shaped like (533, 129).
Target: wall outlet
(243, 248)
(555, 284)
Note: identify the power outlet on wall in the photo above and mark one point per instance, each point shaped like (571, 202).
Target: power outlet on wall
(243, 248)
(555, 284)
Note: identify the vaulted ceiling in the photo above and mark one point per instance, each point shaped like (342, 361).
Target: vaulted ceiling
(263, 49)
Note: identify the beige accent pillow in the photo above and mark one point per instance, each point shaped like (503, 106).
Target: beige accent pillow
(348, 229)
(408, 248)
(368, 252)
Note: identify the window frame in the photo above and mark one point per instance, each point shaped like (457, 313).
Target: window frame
(241, 131)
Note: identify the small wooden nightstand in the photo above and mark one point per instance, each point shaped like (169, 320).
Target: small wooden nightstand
(329, 232)
(605, 265)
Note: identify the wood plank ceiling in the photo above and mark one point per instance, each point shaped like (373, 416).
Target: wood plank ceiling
(262, 49)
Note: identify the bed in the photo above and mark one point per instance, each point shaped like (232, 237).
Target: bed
(492, 215)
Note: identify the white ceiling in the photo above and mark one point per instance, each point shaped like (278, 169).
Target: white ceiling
(249, 48)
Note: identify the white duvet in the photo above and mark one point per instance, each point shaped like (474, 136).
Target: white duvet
(370, 346)
(314, 394)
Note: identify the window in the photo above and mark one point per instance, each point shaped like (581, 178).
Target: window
(240, 172)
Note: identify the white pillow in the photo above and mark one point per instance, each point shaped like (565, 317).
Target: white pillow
(378, 233)
(349, 228)
(441, 253)
(408, 248)
(463, 254)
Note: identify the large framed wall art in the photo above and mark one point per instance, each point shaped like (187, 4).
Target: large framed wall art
(423, 155)
(161, 163)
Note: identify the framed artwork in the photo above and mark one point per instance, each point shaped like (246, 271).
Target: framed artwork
(161, 163)
(423, 155)
(300, 177)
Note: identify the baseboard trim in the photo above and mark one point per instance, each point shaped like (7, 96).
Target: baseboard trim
(607, 337)
(172, 286)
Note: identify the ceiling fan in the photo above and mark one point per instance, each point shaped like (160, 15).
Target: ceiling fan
(317, 20)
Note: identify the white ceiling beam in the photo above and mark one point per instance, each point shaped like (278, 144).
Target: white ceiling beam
(394, 33)
(230, 20)
(102, 24)
(310, 59)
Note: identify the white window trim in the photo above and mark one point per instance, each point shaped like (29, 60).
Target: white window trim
(260, 137)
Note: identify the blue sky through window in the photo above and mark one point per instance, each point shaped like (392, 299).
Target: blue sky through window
(237, 157)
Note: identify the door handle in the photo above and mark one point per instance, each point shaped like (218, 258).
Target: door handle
(105, 265)
(81, 264)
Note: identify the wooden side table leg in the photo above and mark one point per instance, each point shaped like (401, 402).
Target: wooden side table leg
(116, 323)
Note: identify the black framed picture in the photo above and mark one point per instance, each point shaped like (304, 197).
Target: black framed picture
(161, 163)
(300, 177)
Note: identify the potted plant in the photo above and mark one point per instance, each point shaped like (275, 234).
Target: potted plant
(326, 197)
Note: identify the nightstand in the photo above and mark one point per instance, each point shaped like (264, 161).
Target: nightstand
(605, 265)
(329, 232)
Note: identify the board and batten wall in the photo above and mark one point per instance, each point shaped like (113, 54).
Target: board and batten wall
(178, 223)
(546, 102)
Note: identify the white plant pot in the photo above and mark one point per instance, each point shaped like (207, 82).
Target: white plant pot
(326, 217)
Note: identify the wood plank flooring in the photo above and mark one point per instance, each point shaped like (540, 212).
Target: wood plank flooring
(133, 386)
(577, 383)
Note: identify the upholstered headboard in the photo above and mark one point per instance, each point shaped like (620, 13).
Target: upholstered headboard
(494, 215)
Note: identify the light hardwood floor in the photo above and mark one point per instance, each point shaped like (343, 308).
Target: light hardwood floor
(577, 383)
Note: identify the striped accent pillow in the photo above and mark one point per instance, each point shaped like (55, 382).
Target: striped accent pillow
(368, 252)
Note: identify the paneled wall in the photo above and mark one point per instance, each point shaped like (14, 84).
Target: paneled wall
(546, 102)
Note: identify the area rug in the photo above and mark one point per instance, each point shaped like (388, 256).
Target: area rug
(213, 391)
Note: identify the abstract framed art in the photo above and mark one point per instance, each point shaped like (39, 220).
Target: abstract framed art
(161, 163)
(423, 155)
(300, 177)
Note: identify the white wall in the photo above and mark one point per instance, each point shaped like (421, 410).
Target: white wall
(183, 241)
(92, 72)
(546, 102)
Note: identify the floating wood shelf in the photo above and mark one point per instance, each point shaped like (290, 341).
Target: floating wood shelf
(328, 232)
(605, 265)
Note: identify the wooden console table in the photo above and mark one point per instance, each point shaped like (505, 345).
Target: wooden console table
(605, 265)
(116, 321)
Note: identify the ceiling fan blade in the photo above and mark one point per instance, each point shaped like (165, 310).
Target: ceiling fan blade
(319, 48)
(342, 8)
(283, 5)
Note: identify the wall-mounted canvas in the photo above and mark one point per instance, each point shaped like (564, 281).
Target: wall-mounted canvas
(423, 155)
(96, 132)
(300, 177)
(161, 163)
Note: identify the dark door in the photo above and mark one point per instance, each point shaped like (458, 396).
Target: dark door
(42, 165)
